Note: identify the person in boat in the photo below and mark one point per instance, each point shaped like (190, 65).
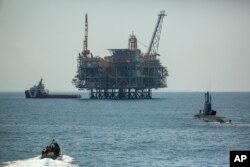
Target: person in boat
(55, 147)
(52, 144)
(46, 150)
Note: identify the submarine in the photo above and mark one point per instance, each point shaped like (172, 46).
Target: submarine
(208, 114)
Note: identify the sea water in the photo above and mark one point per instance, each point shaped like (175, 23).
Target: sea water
(156, 132)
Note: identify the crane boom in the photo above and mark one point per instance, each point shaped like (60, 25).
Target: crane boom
(154, 43)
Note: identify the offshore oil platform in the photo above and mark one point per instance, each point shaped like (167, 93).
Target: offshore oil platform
(126, 74)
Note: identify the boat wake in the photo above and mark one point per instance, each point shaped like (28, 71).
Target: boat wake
(38, 162)
(242, 125)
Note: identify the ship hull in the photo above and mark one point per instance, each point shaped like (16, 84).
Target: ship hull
(29, 94)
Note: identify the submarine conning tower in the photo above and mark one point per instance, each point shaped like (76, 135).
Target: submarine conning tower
(208, 105)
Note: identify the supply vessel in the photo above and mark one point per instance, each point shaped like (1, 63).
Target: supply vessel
(208, 114)
(39, 91)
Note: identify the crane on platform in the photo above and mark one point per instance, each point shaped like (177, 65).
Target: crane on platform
(154, 43)
(85, 51)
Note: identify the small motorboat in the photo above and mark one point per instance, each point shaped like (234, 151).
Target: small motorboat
(52, 151)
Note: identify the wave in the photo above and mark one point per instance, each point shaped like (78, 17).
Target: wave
(66, 161)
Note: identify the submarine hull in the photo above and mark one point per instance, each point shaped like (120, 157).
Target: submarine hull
(212, 118)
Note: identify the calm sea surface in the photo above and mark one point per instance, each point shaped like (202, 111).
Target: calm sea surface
(111, 133)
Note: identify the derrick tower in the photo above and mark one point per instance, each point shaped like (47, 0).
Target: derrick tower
(126, 73)
(85, 51)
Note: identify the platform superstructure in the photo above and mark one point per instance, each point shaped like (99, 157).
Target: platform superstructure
(126, 73)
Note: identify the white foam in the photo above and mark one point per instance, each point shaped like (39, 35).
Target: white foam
(38, 162)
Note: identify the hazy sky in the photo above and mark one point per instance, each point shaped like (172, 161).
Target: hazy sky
(205, 44)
